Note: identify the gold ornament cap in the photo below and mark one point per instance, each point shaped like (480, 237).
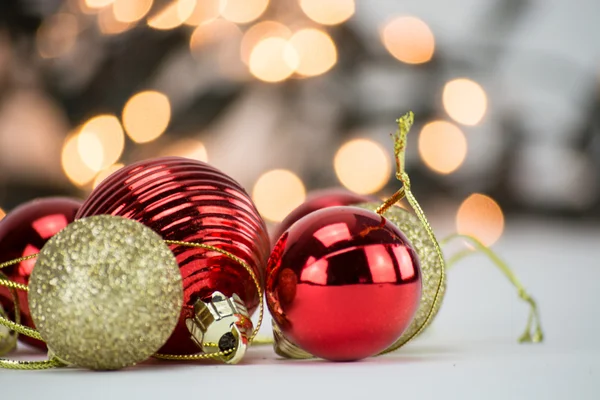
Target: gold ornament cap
(221, 322)
(105, 293)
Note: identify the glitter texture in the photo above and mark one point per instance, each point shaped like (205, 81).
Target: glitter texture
(430, 266)
(106, 293)
(8, 339)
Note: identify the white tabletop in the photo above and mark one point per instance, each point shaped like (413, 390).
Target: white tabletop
(470, 352)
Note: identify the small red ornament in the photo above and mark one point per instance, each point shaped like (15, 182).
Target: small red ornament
(343, 283)
(23, 232)
(188, 200)
(317, 200)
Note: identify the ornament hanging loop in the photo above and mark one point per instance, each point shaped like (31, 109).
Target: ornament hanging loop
(533, 320)
(400, 141)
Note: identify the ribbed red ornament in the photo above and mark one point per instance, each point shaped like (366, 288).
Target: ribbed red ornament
(23, 232)
(188, 200)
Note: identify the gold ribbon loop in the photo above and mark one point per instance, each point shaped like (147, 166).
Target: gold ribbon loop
(534, 317)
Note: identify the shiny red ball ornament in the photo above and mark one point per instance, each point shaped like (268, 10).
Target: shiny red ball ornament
(187, 200)
(318, 200)
(23, 232)
(343, 283)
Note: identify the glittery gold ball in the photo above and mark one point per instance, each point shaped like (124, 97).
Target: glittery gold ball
(8, 339)
(431, 267)
(105, 293)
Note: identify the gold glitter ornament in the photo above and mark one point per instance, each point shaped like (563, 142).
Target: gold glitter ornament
(8, 338)
(106, 293)
(431, 267)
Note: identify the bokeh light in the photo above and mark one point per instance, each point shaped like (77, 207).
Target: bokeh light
(273, 60)
(362, 166)
(109, 25)
(57, 35)
(243, 11)
(205, 11)
(442, 146)
(2, 214)
(212, 32)
(277, 193)
(465, 101)
(316, 51)
(103, 132)
(72, 164)
(146, 116)
(328, 12)
(98, 3)
(172, 15)
(188, 148)
(129, 11)
(409, 39)
(480, 216)
(105, 173)
(90, 151)
(258, 32)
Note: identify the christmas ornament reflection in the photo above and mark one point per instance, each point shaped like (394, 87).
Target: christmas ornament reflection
(184, 200)
(343, 283)
(23, 232)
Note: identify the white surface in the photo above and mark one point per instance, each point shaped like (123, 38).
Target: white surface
(469, 353)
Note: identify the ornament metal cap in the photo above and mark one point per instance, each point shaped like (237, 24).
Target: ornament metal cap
(222, 322)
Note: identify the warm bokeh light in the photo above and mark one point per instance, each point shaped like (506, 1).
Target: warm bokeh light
(188, 148)
(328, 12)
(243, 11)
(205, 11)
(172, 15)
(99, 3)
(465, 101)
(109, 25)
(212, 32)
(105, 173)
(57, 35)
(480, 216)
(362, 166)
(90, 151)
(219, 40)
(316, 51)
(277, 193)
(273, 60)
(409, 39)
(146, 116)
(442, 146)
(2, 214)
(129, 11)
(258, 32)
(73, 166)
(106, 133)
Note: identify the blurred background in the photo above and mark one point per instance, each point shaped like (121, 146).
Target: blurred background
(290, 96)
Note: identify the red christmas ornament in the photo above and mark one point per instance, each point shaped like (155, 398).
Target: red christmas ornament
(187, 200)
(23, 232)
(317, 200)
(343, 283)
